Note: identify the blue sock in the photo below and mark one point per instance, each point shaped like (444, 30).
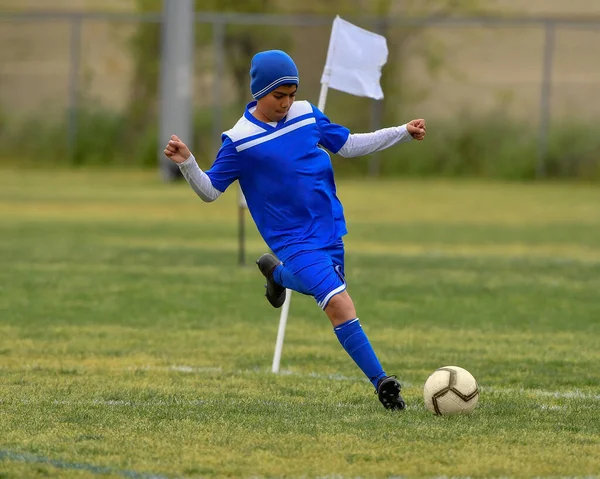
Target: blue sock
(354, 340)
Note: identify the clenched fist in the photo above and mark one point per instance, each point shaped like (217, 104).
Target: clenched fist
(417, 129)
(176, 150)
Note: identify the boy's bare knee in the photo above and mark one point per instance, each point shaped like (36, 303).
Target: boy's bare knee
(340, 309)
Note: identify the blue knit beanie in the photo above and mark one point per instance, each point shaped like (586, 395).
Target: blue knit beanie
(270, 70)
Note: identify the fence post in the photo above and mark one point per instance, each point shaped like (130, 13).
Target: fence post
(375, 158)
(374, 165)
(176, 79)
(219, 75)
(73, 93)
(545, 98)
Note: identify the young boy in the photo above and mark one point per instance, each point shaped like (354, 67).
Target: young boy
(277, 152)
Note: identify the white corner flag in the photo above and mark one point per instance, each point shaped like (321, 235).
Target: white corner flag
(354, 61)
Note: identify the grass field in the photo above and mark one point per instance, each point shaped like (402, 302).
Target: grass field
(131, 343)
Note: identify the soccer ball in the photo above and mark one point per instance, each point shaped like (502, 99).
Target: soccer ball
(451, 390)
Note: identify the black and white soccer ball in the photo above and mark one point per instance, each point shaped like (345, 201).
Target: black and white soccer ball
(451, 390)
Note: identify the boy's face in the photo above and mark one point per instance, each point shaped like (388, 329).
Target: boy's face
(276, 104)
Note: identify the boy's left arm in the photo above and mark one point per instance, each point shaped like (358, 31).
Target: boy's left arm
(360, 144)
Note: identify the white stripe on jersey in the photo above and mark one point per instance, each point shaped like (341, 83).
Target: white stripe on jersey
(244, 128)
(298, 108)
(276, 134)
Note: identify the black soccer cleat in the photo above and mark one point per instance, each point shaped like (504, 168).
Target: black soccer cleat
(388, 390)
(275, 293)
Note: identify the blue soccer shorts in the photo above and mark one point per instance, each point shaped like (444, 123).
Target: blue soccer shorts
(318, 273)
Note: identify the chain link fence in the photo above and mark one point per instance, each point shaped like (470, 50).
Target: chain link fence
(73, 85)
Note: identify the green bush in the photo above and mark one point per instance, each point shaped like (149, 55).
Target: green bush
(101, 138)
(495, 146)
(491, 146)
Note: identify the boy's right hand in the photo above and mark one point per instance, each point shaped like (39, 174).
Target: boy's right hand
(176, 150)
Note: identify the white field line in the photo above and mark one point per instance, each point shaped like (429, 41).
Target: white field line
(216, 369)
(113, 403)
(180, 369)
(6, 455)
(131, 474)
(540, 393)
(185, 403)
(537, 393)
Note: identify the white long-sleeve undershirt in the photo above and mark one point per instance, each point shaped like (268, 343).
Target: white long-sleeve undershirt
(360, 144)
(357, 144)
(198, 180)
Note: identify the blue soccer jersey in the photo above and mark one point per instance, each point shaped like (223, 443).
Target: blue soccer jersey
(286, 176)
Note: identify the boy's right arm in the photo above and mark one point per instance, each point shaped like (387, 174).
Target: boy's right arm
(179, 153)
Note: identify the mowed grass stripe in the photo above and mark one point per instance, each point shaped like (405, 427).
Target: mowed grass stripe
(380, 202)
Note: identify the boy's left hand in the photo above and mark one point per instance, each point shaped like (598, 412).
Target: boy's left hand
(417, 129)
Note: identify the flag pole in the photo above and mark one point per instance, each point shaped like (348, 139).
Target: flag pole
(369, 52)
(285, 309)
(323, 96)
